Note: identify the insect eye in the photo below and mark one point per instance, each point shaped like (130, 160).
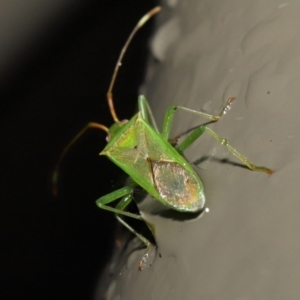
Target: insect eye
(124, 121)
(107, 138)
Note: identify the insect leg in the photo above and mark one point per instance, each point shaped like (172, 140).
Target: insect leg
(169, 115)
(190, 139)
(201, 129)
(121, 206)
(146, 111)
(241, 157)
(125, 191)
(126, 194)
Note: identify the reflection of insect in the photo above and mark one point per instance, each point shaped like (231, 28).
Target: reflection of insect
(148, 157)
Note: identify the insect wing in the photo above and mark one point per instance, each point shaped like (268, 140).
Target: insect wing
(128, 151)
(177, 186)
(174, 179)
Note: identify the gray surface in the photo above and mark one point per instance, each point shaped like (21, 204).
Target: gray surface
(247, 246)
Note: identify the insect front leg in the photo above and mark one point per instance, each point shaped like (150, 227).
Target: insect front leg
(126, 194)
(121, 206)
(169, 115)
(195, 134)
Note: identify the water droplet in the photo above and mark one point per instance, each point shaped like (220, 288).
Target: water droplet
(239, 118)
(207, 106)
(283, 5)
(172, 3)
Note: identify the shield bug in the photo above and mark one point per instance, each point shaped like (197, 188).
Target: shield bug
(153, 162)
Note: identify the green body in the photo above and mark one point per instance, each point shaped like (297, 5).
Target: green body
(155, 165)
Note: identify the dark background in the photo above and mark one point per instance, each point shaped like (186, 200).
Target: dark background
(54, 248)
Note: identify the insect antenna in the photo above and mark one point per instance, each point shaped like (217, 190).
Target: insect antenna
(109, 94)
(67, 148)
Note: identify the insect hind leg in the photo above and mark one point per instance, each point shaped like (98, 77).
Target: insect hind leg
(241, 157)
(195, 134)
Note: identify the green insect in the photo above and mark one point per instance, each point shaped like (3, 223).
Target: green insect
(148, 157)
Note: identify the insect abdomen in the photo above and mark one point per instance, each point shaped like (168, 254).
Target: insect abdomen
(179, 188)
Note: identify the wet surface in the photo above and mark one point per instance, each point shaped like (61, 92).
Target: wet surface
(246, 245)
